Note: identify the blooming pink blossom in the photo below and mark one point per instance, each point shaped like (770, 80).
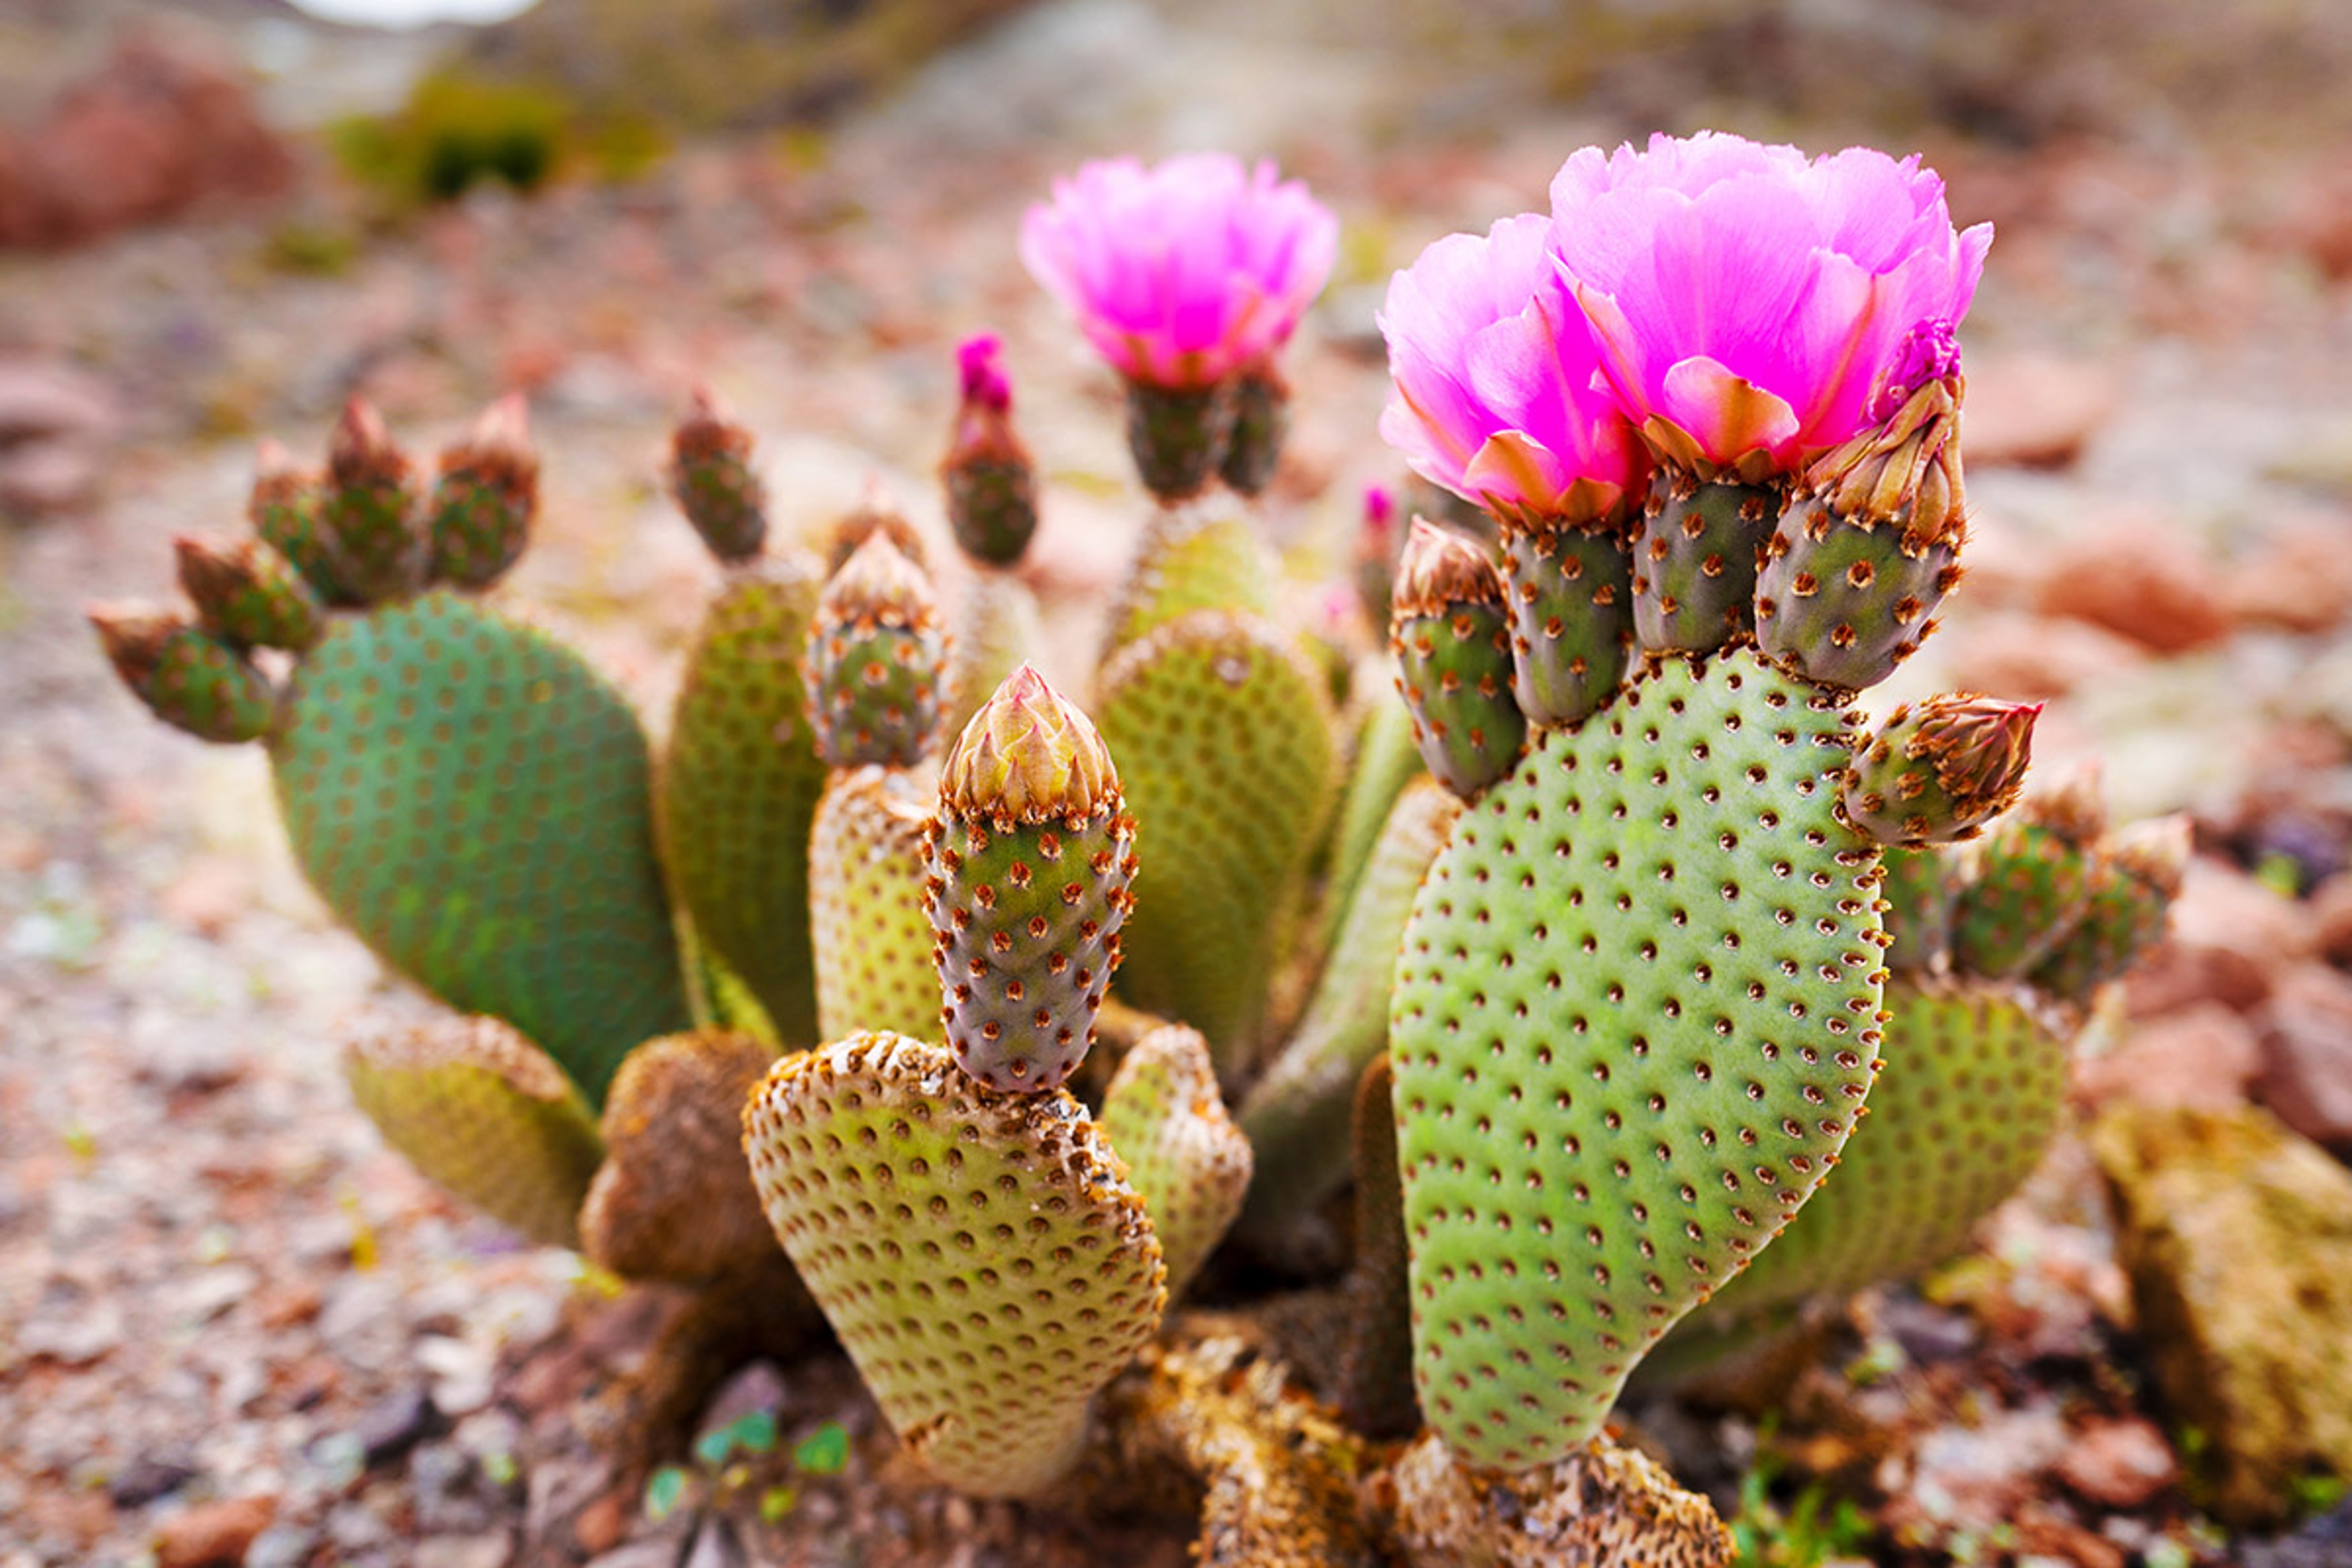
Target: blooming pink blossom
(1184, 273)
(1497, 390)
(983, 378)
(1753, 307)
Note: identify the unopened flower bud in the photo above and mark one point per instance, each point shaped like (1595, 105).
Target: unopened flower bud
(187, 676)
(711, 478)
(991, 481)
(375, 546)
(1450, 632)
(876, 658)
(247, 594)
(1936, 772)
(488, 495)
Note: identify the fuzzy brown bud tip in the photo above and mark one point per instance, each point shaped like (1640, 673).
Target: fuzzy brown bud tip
(2154, 852)
(1905, 471)
(878, 585)
(875, 515)
(1439, 569)
(216, 567)
(133, 636)
(497, 446)
(272, 461)
(709, 430)
(362, 451)
(2075, 808)
(1030, 754)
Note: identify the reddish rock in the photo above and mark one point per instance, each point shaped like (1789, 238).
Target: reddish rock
(2306, 1079)
(2300, 579)
(2331, 919)
(213, 1534)
(2204, 1055)
(2142, 582)
(2035, 411)
(2231, 941)
(2118, 1464)
(152, 132)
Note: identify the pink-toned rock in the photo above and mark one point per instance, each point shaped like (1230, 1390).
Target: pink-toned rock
(2305, 1029)
(2231, 941)
(2142, 582)
(2035, 411)
(2118, 1464)
(213, 1534)
(2300, 579)
(2029, 658)
(152, 132)
(2204, 1056)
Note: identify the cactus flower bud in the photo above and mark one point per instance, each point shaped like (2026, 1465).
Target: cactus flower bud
(1867, 548)
(1377, 542)
(287, 509)
(247, 594)
(1936, 772)
(1261, 424)
(874, 514)
(991, 481)
(710, 476)
(876, 658)
(189, 677)
(486, 498)
(1030, 860)
(375, 546)
(1450, 631)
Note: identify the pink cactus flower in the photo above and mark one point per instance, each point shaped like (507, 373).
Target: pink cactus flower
(982, 377)
(1754, 306)
(1183, 273)
(1496, 393)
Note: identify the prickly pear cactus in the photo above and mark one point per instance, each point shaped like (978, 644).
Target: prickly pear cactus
(1202, 556)
(1637, 1013)
(740, 782)
(980, 1255)
(483, 1113)
(1227, 741)
(472, 799)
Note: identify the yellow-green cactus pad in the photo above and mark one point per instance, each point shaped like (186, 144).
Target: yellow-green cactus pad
(982, 1255)
(739, 783)
(1202, 556)
(481, 1112)
(1225, 740)
(874, 967)
(673, 1198)
(996, 632)
(1637, 1013)
(1164, 1116)
(471, 798)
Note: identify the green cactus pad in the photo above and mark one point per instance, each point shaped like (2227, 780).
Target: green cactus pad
(1921, 890)
(481, 1112)
(1178, 436)
(1381, 762)
(1973, 1081)
(1183, 1153)
(1635, 1015)
(471, 798)
(995, 633)
(1694, 561)
(1571, 603)
(739, 783)
(673, 1200)
(1225, 742)
(981, 1256)
(1296, 1114)
(1205, 556)
(872, 937)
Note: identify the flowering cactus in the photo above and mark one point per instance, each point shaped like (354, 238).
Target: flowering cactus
(1592, 1009)
(1187, 278)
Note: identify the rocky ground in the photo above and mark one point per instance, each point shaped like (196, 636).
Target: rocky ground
(231, 1327)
